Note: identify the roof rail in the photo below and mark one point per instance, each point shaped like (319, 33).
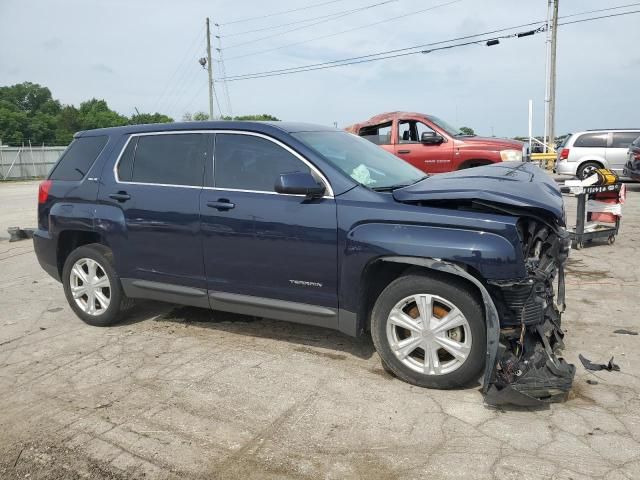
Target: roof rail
(610, 129)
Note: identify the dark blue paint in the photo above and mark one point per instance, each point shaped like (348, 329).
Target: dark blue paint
(287, 247)
(518, 184)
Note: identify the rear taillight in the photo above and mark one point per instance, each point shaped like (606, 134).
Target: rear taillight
(564, 154)
(636, 155)
(43, 191)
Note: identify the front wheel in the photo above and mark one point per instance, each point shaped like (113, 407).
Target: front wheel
(430, 332)
(92, 286)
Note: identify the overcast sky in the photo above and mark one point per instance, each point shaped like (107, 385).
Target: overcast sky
(143, 54)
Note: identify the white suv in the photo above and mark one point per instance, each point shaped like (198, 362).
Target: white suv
(582, 153)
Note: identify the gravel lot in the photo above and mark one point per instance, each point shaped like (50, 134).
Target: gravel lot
(184, 393)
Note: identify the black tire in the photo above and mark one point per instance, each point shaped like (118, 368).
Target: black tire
(118, 300)
(585, 169)
(454, 291)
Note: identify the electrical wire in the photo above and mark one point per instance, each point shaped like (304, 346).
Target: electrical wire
(348, 30)
(247, 19)
(323, 18)
(349, 12)
(188, 54)
(403, 52)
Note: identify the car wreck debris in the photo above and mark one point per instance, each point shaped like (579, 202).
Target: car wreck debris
(624, 331)
(595, 367)
(17, 233)
(529, 369)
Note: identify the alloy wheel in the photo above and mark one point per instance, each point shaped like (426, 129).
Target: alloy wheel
(90, 286)
(429, 334)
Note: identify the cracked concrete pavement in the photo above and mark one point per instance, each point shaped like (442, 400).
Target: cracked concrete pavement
(178, 392)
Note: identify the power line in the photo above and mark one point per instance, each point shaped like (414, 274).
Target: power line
(247, 19)
(349, 12)
(402, 52)
(601, 10)
(324, 18)
(397, 50)
(188, 53)
(346, 31)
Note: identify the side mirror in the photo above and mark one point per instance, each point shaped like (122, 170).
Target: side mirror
(299, 183)
(431, 138)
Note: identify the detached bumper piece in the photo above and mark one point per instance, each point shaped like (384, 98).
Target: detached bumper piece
(530, 370)
(536, 377)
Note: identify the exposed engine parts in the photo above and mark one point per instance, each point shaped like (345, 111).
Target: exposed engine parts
(529, 369)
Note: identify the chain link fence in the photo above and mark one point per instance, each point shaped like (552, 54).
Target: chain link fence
(23, 163)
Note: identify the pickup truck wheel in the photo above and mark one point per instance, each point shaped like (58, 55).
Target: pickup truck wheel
(430, 332)
(92, 286)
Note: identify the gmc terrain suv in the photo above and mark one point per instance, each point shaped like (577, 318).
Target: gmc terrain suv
(454, 276)
(433, 146)
(582, 153)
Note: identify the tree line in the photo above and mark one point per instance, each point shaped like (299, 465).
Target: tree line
(29, 113)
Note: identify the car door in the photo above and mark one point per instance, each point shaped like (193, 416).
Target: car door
(618, 151)
(430, 158)
(153, 223)
(268, 250)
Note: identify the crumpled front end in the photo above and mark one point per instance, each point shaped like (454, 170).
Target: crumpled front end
(529, 368)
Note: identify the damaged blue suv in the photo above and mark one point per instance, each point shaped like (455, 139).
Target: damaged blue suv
(456, 277)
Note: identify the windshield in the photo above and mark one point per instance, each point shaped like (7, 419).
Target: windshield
(360, 159)
(450, 129)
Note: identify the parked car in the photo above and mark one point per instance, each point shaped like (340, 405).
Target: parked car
(453, 275)
(433, 146)
(583, 153)
(632, 167)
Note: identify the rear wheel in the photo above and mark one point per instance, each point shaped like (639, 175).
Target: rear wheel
(587, 169)
(430, 332)
(92, 286)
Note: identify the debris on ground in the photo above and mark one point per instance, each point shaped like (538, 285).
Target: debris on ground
(17, 233)
(592, 382)
(624, 331)
(589, 365)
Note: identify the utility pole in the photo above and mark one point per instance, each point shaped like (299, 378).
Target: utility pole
(210, 71)
(552, 76)
(550, 73)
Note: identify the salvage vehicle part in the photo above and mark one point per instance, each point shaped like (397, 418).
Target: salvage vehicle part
(595, 367)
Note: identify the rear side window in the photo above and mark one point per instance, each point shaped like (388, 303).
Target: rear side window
(246, 162)
(623, 139)
(593, 140)
(78, 158)
(378, 134)
(174, 159)
(125, 166)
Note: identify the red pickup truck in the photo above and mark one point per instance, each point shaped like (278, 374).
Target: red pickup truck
(434, 146)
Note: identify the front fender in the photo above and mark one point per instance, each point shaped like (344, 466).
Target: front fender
(493, 256)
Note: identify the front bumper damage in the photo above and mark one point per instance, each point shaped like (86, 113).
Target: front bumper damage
(529, 369)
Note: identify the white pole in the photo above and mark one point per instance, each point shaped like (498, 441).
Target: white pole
(530, 122)
(547, 71)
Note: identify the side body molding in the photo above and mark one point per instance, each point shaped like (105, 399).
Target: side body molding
(491, 313)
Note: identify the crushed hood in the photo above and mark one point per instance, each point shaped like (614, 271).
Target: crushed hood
(508, 183)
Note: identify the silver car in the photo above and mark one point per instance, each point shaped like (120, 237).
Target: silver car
(582, 153)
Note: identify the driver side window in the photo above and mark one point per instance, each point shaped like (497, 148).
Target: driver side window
(410, 131)
(248, 162)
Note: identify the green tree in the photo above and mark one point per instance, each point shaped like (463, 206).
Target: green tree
(96, 113)
(467, 131)
(254, 118)
(200, 117)
(141, 118)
